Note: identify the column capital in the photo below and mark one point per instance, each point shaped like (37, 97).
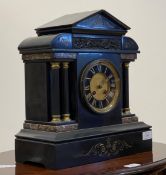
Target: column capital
(65, 65)
(126, 64)
(55, 65)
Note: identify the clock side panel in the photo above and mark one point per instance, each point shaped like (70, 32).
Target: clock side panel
(86, 117)
(37, 91)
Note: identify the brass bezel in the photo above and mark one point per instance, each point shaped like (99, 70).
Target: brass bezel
(115, 73)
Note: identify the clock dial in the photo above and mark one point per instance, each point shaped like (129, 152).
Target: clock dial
(100, 86)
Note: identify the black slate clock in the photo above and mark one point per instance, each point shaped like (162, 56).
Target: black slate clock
(77, 93)
(100, 86)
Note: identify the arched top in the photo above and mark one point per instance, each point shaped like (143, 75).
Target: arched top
(129, 44)
(46, 43)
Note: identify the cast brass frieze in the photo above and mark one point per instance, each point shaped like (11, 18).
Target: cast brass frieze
(94, 43)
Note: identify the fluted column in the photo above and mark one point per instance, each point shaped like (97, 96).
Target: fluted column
(126, 107)
(55, 92)
(65, 92)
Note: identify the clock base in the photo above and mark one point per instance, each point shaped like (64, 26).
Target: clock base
(84, 146)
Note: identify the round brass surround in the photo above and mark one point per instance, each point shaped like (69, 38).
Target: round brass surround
(99, 88)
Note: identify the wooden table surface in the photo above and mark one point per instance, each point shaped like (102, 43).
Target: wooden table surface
(150, 163)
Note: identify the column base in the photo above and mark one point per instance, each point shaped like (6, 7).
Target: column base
(129, 118)
(66, 117)
(56, 118)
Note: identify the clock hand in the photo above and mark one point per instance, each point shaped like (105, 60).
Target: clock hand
(99, 86)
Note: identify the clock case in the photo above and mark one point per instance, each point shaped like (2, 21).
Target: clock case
(85, 136)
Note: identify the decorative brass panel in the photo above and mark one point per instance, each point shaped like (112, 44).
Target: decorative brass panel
(39, 56)
(51, 128)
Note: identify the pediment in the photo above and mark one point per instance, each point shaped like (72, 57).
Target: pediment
(96, 22)
(99, 22)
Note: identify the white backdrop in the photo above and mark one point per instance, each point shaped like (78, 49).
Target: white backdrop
(18, 18)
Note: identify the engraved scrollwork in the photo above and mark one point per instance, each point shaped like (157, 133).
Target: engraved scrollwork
(107, 148)
(93, 43)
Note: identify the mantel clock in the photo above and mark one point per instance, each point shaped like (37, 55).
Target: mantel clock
(77, 93)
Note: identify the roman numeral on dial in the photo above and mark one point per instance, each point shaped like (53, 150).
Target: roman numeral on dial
(87, 78)
(109, 76)
(94, 102)
(99, 68)
(113, 85)
(87, 88)
(92, 71)
(100, 104)
(105, 71)
(111, 94)
(107, 100)
(89, 96)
